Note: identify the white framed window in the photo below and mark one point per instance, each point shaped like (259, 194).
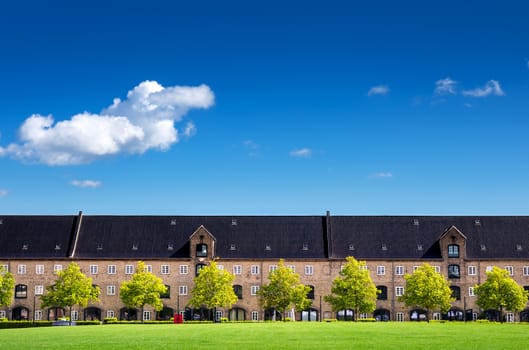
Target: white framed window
(509, 317)
(510, 270)
(472, 270)
(474, 316)
(21, 269)
(2, 313)
(5, 267)
(363, 316)
(437, 316)
(39, 289)
(437, 268)
(399, 316)
(146, 315)
(254, 290)
(381, 270)
(364, 267)
(526, 270)
(94, 269)
(111, 314)
(129, 269)
(415, 268)
(39, 269)
(399, 270)
(488, 269)
(148, 268)
(182, 290)
(111, 290)
(38, 315)
(220, 267)
(57, 268)
(254, 269)
(292, 268)
(218, 315)
(471, 292)
(111, 269)
(399, 291)
(164, 269)
(255, 315)
(272, 268)
(309, 270)
(237, 269)
(183, 269)
(74, 315)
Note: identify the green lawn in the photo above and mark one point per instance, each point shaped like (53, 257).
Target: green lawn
(298, 335)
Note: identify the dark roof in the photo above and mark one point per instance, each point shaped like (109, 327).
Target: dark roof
(502, 236)
(35, 237)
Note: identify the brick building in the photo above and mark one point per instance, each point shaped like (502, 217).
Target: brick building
(175, 247)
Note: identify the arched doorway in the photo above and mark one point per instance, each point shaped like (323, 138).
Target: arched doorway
(92, 314)
(165, 314)
(524, 315)
(126, 314)
(491, 315)
(309, 315)
(454, 314)
(202, 314)
(345, 315)
(418, 315)
(20, 313)
(237, 314)
(269, 313)
(382, 315)
(54, 313)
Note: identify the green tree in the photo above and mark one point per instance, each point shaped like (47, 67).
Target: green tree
(427, 289)
(7, 285)
(353, 289)
(500, 292)
(143, 288)
(72, 287)
(283, 291)
(213, 288)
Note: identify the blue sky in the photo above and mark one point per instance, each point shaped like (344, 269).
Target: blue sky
(266, 108)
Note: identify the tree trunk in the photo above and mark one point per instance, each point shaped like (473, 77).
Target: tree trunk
(70, 315)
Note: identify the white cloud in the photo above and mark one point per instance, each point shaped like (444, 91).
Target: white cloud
(378, 90)
(381, 175)
(492, 87)
(144, 120)
(189, 130)
(86, 183)
(445, 86)
(3, 192)
(301, 153)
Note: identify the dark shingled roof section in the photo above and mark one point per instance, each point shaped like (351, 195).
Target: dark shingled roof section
(151, 235)
(39, 235)
(499, 234)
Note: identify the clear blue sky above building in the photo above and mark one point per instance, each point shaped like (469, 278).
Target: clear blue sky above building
(264, 107)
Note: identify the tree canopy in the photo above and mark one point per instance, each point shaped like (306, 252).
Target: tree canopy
(213, 288)
(143, 288)
(284, 291)
(72, 287)
(427, 289)
(500, 292)
(7, 285)
(353, 289)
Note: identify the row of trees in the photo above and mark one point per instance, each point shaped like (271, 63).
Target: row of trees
(352, 289)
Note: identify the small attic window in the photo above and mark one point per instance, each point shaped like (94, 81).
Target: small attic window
(384, 246)
(1, 221)
(233, 246)
(233, 222)
(483, 247)
(134, 246)
(415, 222)
(170, 246)
(99, 247)
(351, 247)
(419, 247)
(173, 222)
(477, 222)
(57, 247)
(25, 246)
(519, 247)
(305, 246)
(268, 247)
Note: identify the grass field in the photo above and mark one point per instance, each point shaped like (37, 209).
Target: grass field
(299, 336)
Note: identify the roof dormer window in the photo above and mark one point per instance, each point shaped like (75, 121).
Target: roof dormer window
(305, 246)
(57, 247)
(25, 246)
(351, 246)
(135, 246)
(233, 246)
(268, 247)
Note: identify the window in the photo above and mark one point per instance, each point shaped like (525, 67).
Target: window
(74, 315)
(237, 269)
(383, 293)
(164, 269)
(510, 269)
(39, 289)
(57, 268)
(437, 268)
(363, 267)
(198, 267)
(21, 291)
(220, 267)
(437, 316)
(38, 315)
(453, 251)
(255, 315)
(399, 270)
(453, 271)
(292, 268)
(309, 270)
(146, 315)
(488, 269)
(93, 269)
(184, 269)
(5, 268)
(148, 268)
(3, 314)
(272, 268)
(399, 291)
(415, 268)
(399, 316)
(471, 292)
(111, 290)
(456, 292)
(254, 290)
(167, 294)
(237, 289)
(526, 270)
(111, 314)
(182, 290)
(202, 250)
(509, 317)
(471, 270)
(381, 270)
(254, 269)
(129, 269)
(39, 269)
(218, 315)
(111, 269)
(21, 269)
(310, 294)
